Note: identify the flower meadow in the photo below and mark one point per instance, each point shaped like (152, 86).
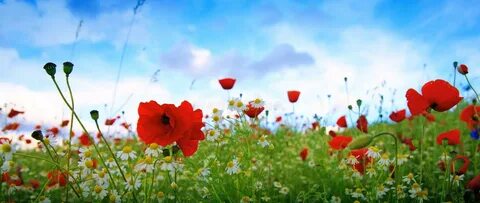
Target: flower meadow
(425, 152)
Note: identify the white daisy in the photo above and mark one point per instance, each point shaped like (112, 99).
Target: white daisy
(212, 135)
(153, 150)
(262, 141)
(373, 152)
(127, 153)
(99, 192)
(233, 167)
(257, 103)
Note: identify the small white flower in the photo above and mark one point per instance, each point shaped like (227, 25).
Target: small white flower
(373, 152)
(233, 167)
(127, 153)
(99, 192)
(409, 178)
(335, 199)
(257, 103)
(114, 197)
(133, 184)
(402, 158)
(384, 160)
(352, 160)
(456, 179)
(357, 194)
(262, 141)
(284, 190)
(212, 135)
(381, 191)
(153, 150)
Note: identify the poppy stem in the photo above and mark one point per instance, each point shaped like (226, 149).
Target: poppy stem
(85, 130)
(70, 132)
(470, 84)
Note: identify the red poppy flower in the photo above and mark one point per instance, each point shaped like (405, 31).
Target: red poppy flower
(38, 127)
(315, 125)
(11, 126)
(409, 143)
(332, 133)
(227, 83)
(110, 121)
(362, 158)
(85, 139)
(474, 184)
(293, 95)
(28, 141)
(21, 137)
(253, 112)
(362, 124)
(340, 142)
(278, 119)
(398, 116)
(56, 177)
(34, 183)
(303, 154)
(54, 131)
(14, 113)
(64, 123)
(470, 115)
(126, 125)
(5, 140)
(165, 124)
(438, 95)
(342, 122)
(464, 167)
(462, 69)
(453, 137)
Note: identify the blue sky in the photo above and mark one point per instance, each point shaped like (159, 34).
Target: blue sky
(270, 46)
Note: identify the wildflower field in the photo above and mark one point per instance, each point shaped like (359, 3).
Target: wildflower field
(425, 152)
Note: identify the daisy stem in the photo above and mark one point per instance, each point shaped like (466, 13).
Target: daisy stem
(396, 159)
(110, 150)
(113, 156)
(470, 84)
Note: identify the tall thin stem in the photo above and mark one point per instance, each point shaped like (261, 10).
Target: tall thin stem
(69, 154)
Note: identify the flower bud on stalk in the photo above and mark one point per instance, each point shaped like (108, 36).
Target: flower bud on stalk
(67, 68)
(361, 142)
(50, 68)
(38, 135)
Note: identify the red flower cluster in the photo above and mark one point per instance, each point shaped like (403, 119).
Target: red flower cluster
(56, 177)
(165, 124)
(362, 158)
(438, 95)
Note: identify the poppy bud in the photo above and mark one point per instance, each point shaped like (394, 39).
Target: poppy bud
(462, 69)
(359, 102)
(38, 135)
(361, 142)
(266, 113)
(455, 64)
(350, 107)
(345, 78)
(94, 114)
(67, 68)
(50, 68)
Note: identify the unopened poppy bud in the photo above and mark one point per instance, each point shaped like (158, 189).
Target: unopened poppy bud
(361, 142)
(50, 68)
(350, 107)
(67, 68)
(345, 79)
(38, 135)
(266, 113)
(455, 64)
(474, 101)
(359, 102)
(462, 69)
(94, 114)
